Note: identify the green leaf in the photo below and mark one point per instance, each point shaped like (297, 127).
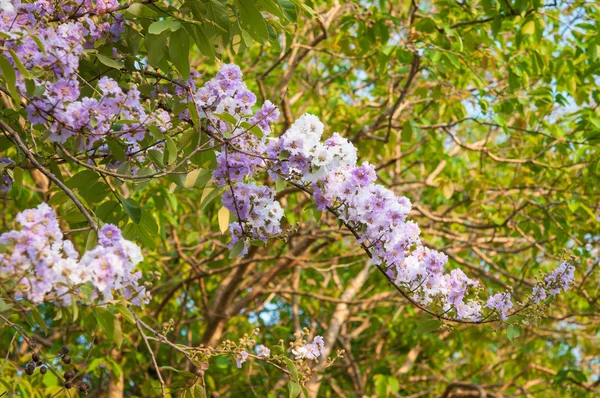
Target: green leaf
(202, 39)
(252, 20)
(272, 7)
(426, 25)
(111, 63)
(116, 149)
(428, 326)
(20, 65)
(9, 75)
(227, 117)
(528, 28)
(289, 10)
(91, 240)
(179, 51)
(180, 371)
(126, 313)
(170, 152)
(513, 331)
(197, 8)
(302, 4)
(305, 392)
(496, 25)
(197, 179)
(212, 194)
(106, 320)
(292, 368)
(156, 46)
(237, 249)
(294, 389)
(4, 306)
(83, 179)
(117, 333)
(141, 11)
(160, 26)
(39, 319)
(133, 210)
(157, 158)
(380, 385)
(393, 385)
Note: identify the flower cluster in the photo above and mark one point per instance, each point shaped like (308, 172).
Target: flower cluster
(500, 302)
(241, 154)
(559, 279)
(330, 169)
(310, 351)
(57, 102)
(47, 266)
(5, 180)
(262, 352)
(258, 212)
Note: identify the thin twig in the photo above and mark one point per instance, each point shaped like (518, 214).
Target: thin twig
(49, 174)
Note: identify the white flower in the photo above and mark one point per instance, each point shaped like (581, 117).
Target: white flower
(310, 125)
(7, 6)
(133, 251)
(322, 157)
(300, 352)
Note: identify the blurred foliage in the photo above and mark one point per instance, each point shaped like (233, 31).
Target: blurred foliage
(483, 113)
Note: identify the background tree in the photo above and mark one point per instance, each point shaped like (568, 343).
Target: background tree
(484, 114)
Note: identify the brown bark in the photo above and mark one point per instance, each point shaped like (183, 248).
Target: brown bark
(339, 317)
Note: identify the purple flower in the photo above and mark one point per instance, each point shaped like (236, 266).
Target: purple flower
(560, 278)
(108, 86)
(109, 235)
(364, 175)
(262, 351)
(500, 302)
(51, 265)
(246, 98)
(64, 90)
(310, 351)
(5, 180)
(538, 294)
(230, 72)
(241, 358)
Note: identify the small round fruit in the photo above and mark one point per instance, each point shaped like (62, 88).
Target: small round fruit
(43, 370)
(66, 359)
(35, 358)
(68, 384)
